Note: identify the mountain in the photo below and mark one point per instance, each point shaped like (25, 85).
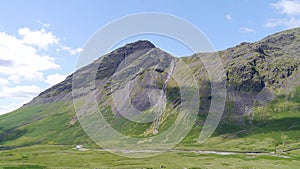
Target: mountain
(263, 97)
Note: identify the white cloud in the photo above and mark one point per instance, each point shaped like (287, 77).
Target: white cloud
(290, 14)
(46, 25)
(5, 108)
(70, 50)
(22, 60)
(289, 7)
(247, 30)
(3, 82)
(20, 92)
(12, 98)
(287, 22)
(55, 78)
(228, 17)
(39, 38)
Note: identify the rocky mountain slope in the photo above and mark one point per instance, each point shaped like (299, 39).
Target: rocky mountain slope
(258, 74)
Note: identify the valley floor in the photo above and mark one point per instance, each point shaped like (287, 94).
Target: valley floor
(57, 156)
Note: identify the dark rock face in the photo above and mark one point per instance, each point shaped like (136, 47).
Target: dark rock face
(267, 62)
(245, 77)
(58, 92)
(281, 39)
(141, 101)
(159, 69)
(139, 70)
(107, 66)
(257, 72)
(110, 62)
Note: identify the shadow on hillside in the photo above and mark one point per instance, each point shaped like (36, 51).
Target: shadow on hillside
(260, 127)
(12, 134)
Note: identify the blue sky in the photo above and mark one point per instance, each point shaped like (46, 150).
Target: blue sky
(40, 41)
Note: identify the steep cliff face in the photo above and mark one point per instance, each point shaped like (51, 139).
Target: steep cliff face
(256, 73)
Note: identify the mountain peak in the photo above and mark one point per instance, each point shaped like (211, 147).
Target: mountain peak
(141, 43)
(138, 45)
(107, 65)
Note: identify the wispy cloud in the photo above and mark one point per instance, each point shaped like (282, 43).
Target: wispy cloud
(289, 11)
(13, 97)
(3, 82)
(20, 92)
(288, 7)
(55, 78)
(70, 50)
(228, 17)
(286, 22)
(247, 29)
(5, 108)
(44, 25)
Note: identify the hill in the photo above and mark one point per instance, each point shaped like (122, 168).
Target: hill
(261, 113)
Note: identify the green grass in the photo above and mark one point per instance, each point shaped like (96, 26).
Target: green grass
(45, 156)
(26, 167)
(40, 124)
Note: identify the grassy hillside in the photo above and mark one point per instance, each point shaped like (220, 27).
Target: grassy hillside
(274, 127)
(42, 124)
